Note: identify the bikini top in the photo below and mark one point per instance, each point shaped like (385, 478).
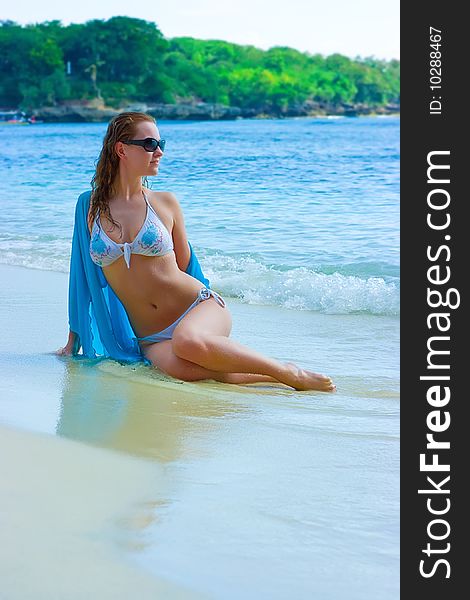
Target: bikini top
(153, 239)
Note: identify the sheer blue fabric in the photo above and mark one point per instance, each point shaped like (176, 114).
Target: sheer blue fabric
(96, 315)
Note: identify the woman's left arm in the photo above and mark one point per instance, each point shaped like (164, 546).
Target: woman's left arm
(180, 239)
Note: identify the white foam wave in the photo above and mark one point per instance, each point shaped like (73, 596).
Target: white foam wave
(246, 278)
(301, 288)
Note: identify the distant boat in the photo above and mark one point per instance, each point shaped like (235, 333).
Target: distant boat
(17, 117)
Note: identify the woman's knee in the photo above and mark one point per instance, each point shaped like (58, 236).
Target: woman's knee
(163, 358)
(188, 344)
(182, 369)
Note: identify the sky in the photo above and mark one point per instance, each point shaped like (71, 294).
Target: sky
(350, 27)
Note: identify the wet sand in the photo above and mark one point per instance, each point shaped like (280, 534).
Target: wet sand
(66, 510)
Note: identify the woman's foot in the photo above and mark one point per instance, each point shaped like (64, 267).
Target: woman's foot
(303, 380)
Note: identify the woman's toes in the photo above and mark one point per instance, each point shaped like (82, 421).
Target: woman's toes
(302, 379)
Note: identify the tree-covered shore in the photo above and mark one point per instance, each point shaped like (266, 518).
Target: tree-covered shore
(91, 71)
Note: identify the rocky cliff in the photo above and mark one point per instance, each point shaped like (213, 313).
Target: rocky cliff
(201, 111)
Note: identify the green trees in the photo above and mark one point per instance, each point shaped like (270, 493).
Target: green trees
(31, 66)
(119, 58)
(124, 60)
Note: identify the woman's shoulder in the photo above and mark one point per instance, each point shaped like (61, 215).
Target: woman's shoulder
(163, 197)
(163, 200)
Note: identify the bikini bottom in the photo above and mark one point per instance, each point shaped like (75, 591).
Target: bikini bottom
(167, 333)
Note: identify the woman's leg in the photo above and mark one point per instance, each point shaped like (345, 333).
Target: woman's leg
(162, 356)
(201, 337)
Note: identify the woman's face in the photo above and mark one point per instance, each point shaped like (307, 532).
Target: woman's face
(135, 159)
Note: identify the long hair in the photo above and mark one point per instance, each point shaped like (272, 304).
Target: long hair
(121, 127)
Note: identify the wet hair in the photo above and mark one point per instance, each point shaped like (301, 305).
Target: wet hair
(121, 127)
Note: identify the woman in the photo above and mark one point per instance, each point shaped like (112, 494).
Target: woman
(137, 238)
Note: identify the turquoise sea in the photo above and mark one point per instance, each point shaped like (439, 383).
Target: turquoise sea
(301, 213)
(261, 492)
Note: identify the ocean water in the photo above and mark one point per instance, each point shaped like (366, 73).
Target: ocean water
(300, 213)
(259, 492)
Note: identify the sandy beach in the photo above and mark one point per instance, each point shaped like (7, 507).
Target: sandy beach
(66, 510)
(119, 482)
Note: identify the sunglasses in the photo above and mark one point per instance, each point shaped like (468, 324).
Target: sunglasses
(149, 144)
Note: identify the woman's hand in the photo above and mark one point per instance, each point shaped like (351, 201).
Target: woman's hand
(67, 350)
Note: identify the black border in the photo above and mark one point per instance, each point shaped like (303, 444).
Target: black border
(422, 132)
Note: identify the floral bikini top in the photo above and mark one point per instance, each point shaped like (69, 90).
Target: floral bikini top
(153, 239)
